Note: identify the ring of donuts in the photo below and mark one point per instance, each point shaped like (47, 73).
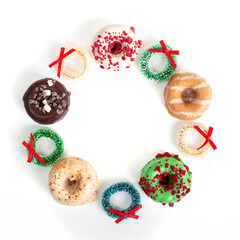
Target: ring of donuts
(75, 74)
(186, 150)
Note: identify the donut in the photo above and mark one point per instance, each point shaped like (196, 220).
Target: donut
(73, 181)
(116, 47)
(166, 179)
(56, 154)
(73, 74)
(187, 96)
(120, 187)
(46, 101)
(160, 76)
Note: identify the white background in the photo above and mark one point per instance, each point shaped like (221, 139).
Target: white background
(118, 120)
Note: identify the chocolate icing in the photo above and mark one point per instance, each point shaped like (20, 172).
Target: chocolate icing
(47, 101)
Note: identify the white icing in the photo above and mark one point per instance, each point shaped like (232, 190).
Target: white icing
(180, 88)
(188, 77)
(195, 101)
(188, 114)
(116, 30)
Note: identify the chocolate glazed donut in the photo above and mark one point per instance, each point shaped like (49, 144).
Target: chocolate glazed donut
(46, 101)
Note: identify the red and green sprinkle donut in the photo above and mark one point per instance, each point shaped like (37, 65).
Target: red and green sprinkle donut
(166, 179)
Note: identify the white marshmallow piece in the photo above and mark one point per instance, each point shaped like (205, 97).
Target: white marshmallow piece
(47, 108)
(50, 83)
(45, 102)
(47, 92)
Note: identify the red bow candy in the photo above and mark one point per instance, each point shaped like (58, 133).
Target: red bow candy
(32, 152)
(207, 136)
(127, 214)
(167, 52)
(60, 59)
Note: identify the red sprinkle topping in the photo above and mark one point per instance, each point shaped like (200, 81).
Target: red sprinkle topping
(129, 40)
(133, 29)
(157, 169)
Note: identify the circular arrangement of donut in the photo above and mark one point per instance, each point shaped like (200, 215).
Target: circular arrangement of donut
(165, 179)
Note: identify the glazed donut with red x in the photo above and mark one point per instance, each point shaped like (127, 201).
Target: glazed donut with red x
(116, 47)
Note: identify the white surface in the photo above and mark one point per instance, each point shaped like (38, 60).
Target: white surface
(117, 120)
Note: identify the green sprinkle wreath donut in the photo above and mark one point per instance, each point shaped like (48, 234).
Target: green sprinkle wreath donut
(56, 154)
(156, 76)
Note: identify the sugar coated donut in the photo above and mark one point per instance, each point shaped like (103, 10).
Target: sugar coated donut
(187, 96)
(72, 74)
(166, 179)
(46, 101)
(73, 182)
(186, 150)
(116, 47)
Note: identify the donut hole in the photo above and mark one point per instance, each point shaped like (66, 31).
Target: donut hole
(115, 47)
(72, 185)
(165, 180)
(158, 62)
(45, 146)
(121, 200)
(188, 95)
(193, 139)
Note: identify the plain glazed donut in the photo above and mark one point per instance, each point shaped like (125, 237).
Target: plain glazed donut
(116, 47)
(73, 182)
(187, 96)
(166, 179)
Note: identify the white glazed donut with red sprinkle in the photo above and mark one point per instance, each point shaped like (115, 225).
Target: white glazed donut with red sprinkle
(116, 47)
